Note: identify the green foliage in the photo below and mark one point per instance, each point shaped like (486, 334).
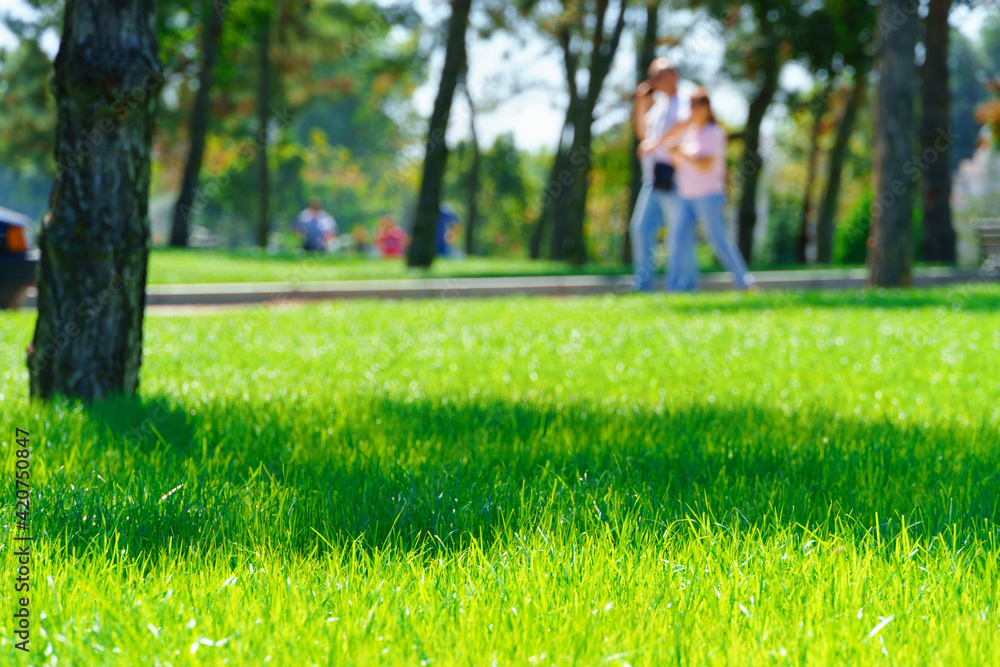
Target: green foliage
(783, 224)
(502, 227)
(28, 117)
(708, 479)
(850, 239)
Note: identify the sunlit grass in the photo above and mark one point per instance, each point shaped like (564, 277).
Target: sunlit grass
(718, 479)
(253, 265)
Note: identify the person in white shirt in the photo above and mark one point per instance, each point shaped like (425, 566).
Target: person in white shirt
(316, 227)
(656, 110)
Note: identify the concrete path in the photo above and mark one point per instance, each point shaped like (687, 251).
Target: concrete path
(438, 288)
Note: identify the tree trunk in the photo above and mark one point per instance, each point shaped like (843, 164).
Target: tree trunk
(573, 215)
(263, 102)
(644, 57)
(555, 197)
(201, 114)
(751, 161)
(889, 247)
(835, 167)
(473, 194)
(553, 189)
(422, 245)
(602, 54)
(939, 235)
(95, 236)
(819, 108)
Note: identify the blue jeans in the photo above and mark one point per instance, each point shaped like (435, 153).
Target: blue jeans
(653, 209)
(683, 272)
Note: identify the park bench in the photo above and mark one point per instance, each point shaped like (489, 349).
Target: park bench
(989, 239)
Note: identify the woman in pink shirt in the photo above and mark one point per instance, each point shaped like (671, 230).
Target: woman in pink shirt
(698, 149)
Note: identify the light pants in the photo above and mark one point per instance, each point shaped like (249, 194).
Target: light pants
(683, 272)
(653, 210)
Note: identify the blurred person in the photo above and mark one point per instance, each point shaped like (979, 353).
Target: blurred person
(390, 238)
(361, 238)
(657, 109)
(698, 149)
(316, 226)
(447, 221)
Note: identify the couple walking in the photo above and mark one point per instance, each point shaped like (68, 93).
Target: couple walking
(683, 155)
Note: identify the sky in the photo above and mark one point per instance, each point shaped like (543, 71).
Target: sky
(535, 116)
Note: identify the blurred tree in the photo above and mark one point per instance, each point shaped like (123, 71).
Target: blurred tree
(939, 235)
(29, 111)
(966, 74)
(263, 107)
(990, 37)
(890, 253)
(472, 207)
(95, 238)
(422, 241)
(760, 32)
(198, 125)
(817, 107)
(588, 50)
(848, 31)
(835, 162)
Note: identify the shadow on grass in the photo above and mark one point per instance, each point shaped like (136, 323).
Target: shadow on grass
(427, 474)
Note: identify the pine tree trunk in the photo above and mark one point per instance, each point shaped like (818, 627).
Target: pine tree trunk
(263, 102)
(751, 161)
(644, 57)
(835, 168)
(201, 114)
(473, 194)
(890, 244)
(422, 245)
(95, 237)
(939, 234)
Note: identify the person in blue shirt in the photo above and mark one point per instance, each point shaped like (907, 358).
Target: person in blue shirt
(316, 227)
(447, 219)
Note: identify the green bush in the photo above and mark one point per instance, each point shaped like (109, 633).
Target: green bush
(784, 219)
(850, 240)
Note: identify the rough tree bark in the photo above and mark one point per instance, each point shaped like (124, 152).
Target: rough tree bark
(751, 161)
(260, 157)
(95, 236)
(835, 168)
(422, 246)
(939, 234)
(645, 53)
(201, 115)
(473, 194)
(890, 243)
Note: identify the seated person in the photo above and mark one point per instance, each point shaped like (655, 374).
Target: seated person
(316, 227)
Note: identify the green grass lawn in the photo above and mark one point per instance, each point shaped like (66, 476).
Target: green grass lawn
(167, 266)
(651, 480)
